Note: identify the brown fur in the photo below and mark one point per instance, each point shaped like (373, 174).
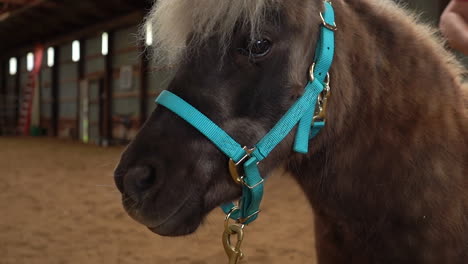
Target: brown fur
(394, 188)
(388, 175)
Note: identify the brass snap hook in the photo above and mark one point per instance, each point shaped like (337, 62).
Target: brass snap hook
(233, 251)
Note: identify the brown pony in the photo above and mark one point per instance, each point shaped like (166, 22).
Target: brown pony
(388, 175)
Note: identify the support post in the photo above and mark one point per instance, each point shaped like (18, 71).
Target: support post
(3, 98)
(17, 95)
(54, 118)
(107, 93)
(81, 73)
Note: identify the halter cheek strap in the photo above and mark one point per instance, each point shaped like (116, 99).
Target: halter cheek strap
(300, 114)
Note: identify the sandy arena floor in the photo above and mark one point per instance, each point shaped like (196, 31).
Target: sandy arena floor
(58, 205)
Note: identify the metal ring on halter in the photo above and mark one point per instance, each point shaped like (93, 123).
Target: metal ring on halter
(329, 26)
(228, 216)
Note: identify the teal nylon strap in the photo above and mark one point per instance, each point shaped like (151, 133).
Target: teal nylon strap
(301, 114)
(323, 61)
(289, 120)
(217, 136)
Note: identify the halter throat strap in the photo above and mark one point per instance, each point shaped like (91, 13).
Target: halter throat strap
(300, 114)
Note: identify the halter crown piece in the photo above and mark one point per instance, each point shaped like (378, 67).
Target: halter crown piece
(301, 114)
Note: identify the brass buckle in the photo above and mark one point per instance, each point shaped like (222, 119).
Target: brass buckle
(322, 101)
(329, 26)
(236, 176)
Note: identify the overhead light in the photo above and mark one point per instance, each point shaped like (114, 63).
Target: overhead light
(76, 51)
(30, 61)
(13, 67)
(149, 34)
(50, 57)
(105, 43)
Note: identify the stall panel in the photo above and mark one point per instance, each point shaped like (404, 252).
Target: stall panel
(45, 91)
(23, 81)
(94, 62)
(95, 111)
(9, 103)
(94, 72)
(68, 93)
(126, 66)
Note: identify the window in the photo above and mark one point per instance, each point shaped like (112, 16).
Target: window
(50, 57)
(105, 44)
(149, 34)
(30, 61)
(13, 66)
(76, 51)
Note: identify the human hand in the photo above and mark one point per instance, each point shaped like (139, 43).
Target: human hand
(454, 25)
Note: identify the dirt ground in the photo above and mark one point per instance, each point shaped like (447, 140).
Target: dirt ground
(58, 205)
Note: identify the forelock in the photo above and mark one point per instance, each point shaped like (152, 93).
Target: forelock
(182, 25)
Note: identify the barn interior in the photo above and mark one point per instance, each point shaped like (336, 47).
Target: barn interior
(93, 81)
(76, 84)
(78, 70)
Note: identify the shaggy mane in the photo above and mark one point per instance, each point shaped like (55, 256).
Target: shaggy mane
(176, 22)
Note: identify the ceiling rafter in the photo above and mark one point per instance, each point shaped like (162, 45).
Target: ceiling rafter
(42, 21)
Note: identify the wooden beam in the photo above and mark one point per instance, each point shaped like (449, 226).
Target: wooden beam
(16, 2)
(31, 4)
(129, 19)
(118, 22)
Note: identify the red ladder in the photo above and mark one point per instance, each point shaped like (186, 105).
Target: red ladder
(26, 104)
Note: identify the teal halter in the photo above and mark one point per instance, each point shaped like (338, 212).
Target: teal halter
(301, 114)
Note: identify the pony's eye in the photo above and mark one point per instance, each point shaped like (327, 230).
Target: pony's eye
(256, 48)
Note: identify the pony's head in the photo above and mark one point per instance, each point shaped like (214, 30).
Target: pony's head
(241, 63)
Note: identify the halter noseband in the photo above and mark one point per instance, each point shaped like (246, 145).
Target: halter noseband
(301, 114)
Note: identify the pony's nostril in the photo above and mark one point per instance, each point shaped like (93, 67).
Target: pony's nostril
(138, 179)
(144, 178)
